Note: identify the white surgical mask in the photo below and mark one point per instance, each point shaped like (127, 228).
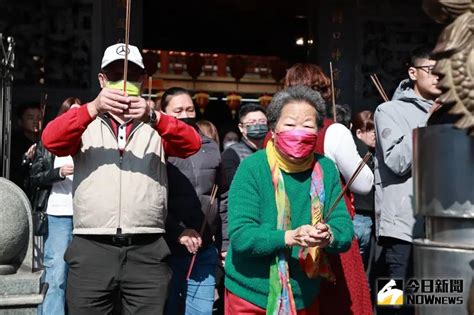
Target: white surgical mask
(228, 144)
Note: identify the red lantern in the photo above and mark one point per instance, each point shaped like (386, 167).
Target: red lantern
(233, 101)
(150, 60)
(201, 99)
(194, 65)
(278, 69)
(237, 65)
(265, 99)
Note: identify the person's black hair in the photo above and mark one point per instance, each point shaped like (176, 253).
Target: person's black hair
(343, 114)
(168, 95)
(249, 108)
(422, 52)
(23, 107)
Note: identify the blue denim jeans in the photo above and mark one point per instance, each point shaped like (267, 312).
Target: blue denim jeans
(55, 243)
(195, 296)
(363, 232)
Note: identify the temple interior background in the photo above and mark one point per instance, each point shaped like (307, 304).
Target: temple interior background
(225, 52)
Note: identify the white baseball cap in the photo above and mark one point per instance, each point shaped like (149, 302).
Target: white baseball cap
(117, 52)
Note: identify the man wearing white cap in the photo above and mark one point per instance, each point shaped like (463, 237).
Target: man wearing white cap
(119, 145)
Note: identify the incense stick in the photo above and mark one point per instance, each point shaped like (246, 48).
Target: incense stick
(203, 226)
(44, 100)
(348, 185)
(379, 87)
(333, 93)
(43, 104)
(150, 80)
(127, 38)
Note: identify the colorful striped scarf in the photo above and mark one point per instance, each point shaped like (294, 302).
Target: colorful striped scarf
(313, 262)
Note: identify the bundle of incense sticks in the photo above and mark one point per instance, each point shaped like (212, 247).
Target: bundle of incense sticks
(349, 183)
(379, 87)
(150, 82)
(203, 226)
(44, 102)
(333, 93)
(127, 39)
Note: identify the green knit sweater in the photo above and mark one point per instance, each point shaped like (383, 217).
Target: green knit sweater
(254, 240)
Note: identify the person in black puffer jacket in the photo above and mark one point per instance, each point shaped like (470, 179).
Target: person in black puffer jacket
(190, 182)
(42, 176)
(51, 180)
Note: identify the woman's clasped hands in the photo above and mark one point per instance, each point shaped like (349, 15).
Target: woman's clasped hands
(309, 236)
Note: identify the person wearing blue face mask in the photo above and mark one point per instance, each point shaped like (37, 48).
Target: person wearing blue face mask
(253, 126)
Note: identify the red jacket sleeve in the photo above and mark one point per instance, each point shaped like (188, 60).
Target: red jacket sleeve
(62, 136)
(179, 139)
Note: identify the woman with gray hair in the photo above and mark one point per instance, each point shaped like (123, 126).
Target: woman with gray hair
(349, 294)
(279, 226)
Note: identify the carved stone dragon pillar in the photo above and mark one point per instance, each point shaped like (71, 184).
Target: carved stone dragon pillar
(443, 164)
(455, 57)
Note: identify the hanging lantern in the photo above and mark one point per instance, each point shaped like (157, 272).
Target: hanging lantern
(150, 60)
(194, 65)
(278, 70)
(265, 99)
(237, 65)
(233, 101)
(201, 99)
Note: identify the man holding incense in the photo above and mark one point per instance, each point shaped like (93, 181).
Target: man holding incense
(280, 227)
(119, 146)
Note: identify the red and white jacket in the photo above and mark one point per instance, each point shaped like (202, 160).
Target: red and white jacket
(122, 189)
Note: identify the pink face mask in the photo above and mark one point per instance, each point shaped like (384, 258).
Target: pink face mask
(296, 143)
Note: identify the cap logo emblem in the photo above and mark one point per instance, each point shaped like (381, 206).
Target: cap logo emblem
(121, 50)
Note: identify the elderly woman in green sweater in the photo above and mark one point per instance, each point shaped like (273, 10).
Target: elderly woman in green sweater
(279, 228)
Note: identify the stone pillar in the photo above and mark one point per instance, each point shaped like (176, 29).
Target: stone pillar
(21, 290)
